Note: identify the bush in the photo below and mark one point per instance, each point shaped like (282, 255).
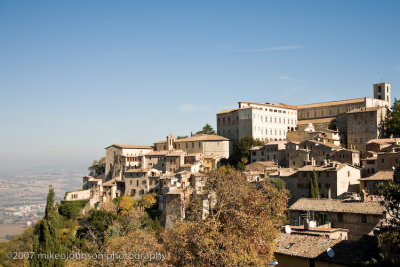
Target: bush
(71, 209)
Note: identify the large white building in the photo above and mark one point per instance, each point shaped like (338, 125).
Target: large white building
(266, 122)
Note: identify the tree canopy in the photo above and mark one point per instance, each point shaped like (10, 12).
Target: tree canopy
(239, 230)
(391, 125)
(241, 152)
(207, 129)
(314, 190)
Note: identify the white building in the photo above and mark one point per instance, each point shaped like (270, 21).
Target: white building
(266, 122)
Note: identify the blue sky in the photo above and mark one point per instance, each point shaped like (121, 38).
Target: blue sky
(77, 76)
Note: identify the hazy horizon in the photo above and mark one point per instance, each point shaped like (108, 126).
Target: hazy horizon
(78, 76)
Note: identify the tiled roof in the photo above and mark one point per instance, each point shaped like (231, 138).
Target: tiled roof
(157, 153)
(379, 176)
(304, 246)
(226, 111)
(314, 247)
(332, 103)
(202, 137)
(383, 141)
(130, 146)
(337, 205)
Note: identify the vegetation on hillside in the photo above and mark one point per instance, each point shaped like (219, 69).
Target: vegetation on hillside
(391, 125)
(241, 152)
(240, 229)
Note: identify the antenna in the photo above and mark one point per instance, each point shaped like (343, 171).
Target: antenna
(288, 230)
(330, 252)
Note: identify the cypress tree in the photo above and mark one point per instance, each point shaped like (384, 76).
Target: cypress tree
(314, 191)
(47, 241)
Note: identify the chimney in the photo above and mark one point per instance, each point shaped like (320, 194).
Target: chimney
(329, 194)
(391, 136)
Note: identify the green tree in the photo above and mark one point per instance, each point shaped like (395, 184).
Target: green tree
(389, 237)
(241, 152)
(333, 125)
(47, 240)
(391, 125)
(314, 191)
(207, 129)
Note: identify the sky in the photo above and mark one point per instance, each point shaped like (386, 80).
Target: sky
(79, 75)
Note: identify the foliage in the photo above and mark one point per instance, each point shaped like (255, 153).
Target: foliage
(314, 190)
(390, 191)
(333, 125)
(182, 136)
(278, 183)
(47, 239)
(22, 242)
(391, 124)
(125, 204)
(148, 201)
(71, 209)
(241, 152)
(207, 129)
(239, 230)
(95, 226)
(99, 166)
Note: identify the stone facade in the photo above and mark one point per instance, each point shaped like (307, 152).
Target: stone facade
(363, 125)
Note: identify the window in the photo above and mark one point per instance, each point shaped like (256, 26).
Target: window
(340, 217)
(348, 173)
(363, 218)
(133, 192)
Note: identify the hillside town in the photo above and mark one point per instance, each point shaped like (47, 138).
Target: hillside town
(337, 142)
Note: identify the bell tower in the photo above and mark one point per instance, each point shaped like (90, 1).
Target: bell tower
(170, 142)
(382, 91)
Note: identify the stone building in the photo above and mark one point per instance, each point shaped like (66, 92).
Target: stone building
(266, 122)
(120, 157)
(370, 164)
(206, 144)
(370, 184)
(363, 125)
(387, 161)
(360, 218)
(349, 156)
(274, 150)
(321, 114)
(334, 180)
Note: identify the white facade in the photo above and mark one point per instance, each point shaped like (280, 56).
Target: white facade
(266, 122)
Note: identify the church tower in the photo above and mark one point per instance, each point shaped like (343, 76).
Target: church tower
(382, 91)
(170, 142)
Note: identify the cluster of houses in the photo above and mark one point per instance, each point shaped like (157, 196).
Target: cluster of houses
(338, 141)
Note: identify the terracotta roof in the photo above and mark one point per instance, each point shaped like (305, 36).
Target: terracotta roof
(160, 142)
(202, 137)
(379, 176)
(130, 146)
(383, 141)
(226, 111)
(175, 153)
(272, 105)
(157, 153)
(265, 163)
(314, 121)
(337, 205)
(332, 103)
